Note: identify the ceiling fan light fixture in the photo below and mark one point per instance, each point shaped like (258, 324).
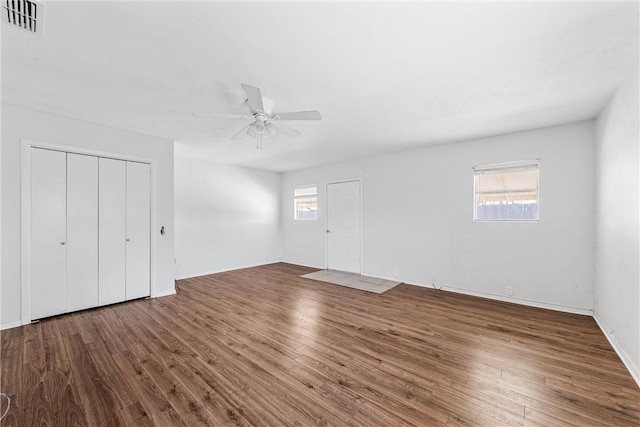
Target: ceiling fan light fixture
(270, 130)
(265, 123)
(259, 127)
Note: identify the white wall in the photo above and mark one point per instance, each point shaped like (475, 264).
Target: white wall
(1, 204)
(418, 219)
(227, 217)
(617, 276)
(20, 123)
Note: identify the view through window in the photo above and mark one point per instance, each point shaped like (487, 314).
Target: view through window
(506, 192)
(305, 201)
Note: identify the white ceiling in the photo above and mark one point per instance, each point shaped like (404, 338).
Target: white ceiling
(385, 76)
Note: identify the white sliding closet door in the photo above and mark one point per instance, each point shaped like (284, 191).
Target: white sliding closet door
(48, 233)
(82, 232)
(138, 230)
(112, 228)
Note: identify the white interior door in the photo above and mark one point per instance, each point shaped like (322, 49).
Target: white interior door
(343, 226)
(138, 230)
(112, 228)
(82, 232)
(48, 233)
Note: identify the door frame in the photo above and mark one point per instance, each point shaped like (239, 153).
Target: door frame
(25, 203)
(326, 220)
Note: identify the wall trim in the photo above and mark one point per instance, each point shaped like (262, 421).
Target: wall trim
(301, 264)
(530, 303)
(224, 270)
(9, 325)
(628, 362)
(163, 294)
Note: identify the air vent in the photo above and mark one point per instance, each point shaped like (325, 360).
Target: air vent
(24, 14)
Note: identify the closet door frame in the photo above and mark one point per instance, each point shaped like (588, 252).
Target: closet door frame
(25, 230)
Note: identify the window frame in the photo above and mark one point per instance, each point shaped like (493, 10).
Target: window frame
(297, 197)
(506, 167)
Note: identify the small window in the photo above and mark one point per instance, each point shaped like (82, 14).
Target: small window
(506, 192)
(305, 203)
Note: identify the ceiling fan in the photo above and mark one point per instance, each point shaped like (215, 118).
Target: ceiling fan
(265, 123)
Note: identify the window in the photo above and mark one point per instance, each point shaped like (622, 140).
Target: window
(506, 192)
(305, 203)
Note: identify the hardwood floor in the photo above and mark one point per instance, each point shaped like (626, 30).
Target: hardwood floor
(262, 346)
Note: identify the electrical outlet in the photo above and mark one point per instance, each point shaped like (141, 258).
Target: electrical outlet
(508, 290)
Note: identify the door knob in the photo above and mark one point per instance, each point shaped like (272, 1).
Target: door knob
(328, 231)
(63, 243)
(128, 240)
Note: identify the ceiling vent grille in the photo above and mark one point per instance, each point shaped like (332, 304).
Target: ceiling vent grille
(24, 14)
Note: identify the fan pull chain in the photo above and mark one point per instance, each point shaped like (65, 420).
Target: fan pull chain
(259, 139)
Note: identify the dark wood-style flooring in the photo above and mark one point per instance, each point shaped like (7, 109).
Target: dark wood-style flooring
(264, 347)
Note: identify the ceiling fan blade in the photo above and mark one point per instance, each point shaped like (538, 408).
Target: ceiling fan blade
(222, 116)
(254, 97)
(242, 133)
(285, 130)
(299, 115)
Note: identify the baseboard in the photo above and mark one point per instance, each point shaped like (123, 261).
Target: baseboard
(9, 325)
(530, 303)
(619, 349)
(165, 294)
(17, 323)
(224, 270)
(319, 267)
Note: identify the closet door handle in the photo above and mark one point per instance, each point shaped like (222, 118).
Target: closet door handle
(63, 243)
(128, 240)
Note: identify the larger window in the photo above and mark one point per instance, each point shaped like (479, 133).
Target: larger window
(305, 203)
(506, 192)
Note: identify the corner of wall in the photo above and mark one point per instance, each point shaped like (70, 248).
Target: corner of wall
(627, 360)
(280, 243)
(617, 226)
